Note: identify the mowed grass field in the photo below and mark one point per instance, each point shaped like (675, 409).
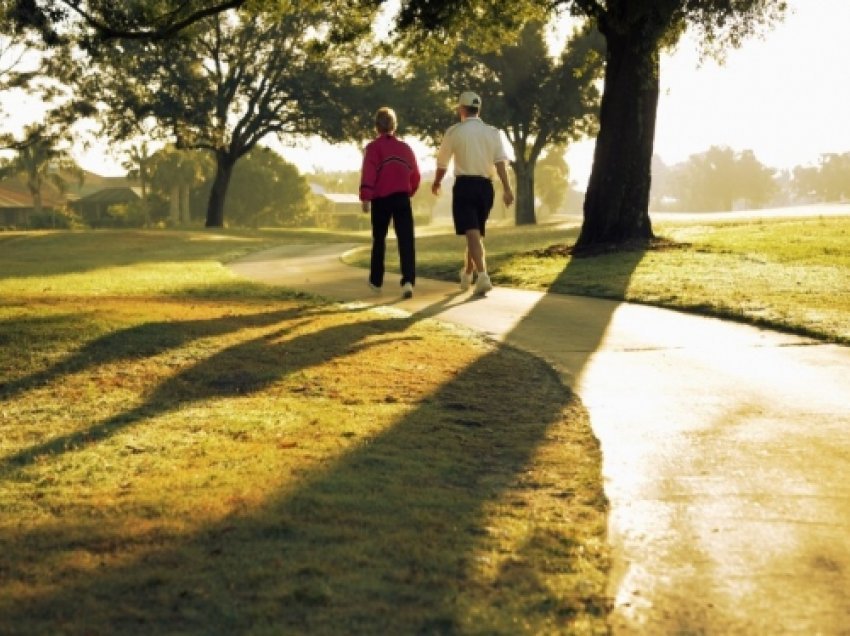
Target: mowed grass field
(183, 452)
(791, 274)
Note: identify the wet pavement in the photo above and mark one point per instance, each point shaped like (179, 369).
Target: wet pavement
(726, 448)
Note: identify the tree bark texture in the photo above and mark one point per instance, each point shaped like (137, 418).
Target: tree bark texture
(616, 206)
(223, 171)
(524, 174)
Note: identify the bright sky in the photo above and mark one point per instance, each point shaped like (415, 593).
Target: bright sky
(785, 96)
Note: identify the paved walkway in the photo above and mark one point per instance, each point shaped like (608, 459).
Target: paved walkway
(726, 448)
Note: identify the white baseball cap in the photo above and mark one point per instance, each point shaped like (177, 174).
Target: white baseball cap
(468, 98)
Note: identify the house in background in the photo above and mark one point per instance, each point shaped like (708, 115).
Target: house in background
(91, 198)
(339, 210)
(16, 207)
(94, 207)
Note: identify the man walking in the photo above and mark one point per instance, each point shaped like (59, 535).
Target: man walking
(476, 149)
(390, 176)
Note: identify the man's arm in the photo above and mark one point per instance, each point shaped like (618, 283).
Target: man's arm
(444, 156)
(438, 178)
(508, 194)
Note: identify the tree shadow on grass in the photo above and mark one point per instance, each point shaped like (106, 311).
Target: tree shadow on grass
(380, 540)
(143, 341)
(240, 370)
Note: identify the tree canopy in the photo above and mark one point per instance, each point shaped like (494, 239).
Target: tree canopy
(536, 97)
(227, 82)
(538, 101)
(617, 199)
(106, 19)
(616, 204)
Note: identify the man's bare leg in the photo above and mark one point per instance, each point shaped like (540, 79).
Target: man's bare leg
(468, 265)
(474, 256)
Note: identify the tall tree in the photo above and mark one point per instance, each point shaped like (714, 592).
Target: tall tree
(535, 98)
(540, 101)
(138, 164)
(229, 81)
(617, 200)
(174, 173)
(267, 191)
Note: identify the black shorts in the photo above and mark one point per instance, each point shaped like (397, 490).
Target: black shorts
(472, 200)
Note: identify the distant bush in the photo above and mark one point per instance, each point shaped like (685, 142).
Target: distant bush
(121, 215)
(62, 219)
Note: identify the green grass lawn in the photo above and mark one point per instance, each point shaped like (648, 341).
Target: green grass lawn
(183, 452)
(790, 274)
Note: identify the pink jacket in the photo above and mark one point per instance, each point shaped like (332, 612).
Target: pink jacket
(389, 167)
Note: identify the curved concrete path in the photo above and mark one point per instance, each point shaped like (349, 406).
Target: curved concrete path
(726, 447)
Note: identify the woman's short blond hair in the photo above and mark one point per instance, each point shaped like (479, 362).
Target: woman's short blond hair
(385, 120)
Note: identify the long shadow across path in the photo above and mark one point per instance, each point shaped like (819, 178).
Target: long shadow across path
(725, 447)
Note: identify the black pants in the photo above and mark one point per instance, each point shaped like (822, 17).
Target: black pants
(395, 208)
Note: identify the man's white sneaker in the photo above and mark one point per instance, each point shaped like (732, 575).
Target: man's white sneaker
(407, 290)
(465, 279)
(482, 284)
(375, 289)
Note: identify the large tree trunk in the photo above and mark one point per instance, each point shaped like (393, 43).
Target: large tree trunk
(524, 173)
(223, 171)
(616, 206)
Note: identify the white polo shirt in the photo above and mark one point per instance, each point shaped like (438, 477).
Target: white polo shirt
(475, 146)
